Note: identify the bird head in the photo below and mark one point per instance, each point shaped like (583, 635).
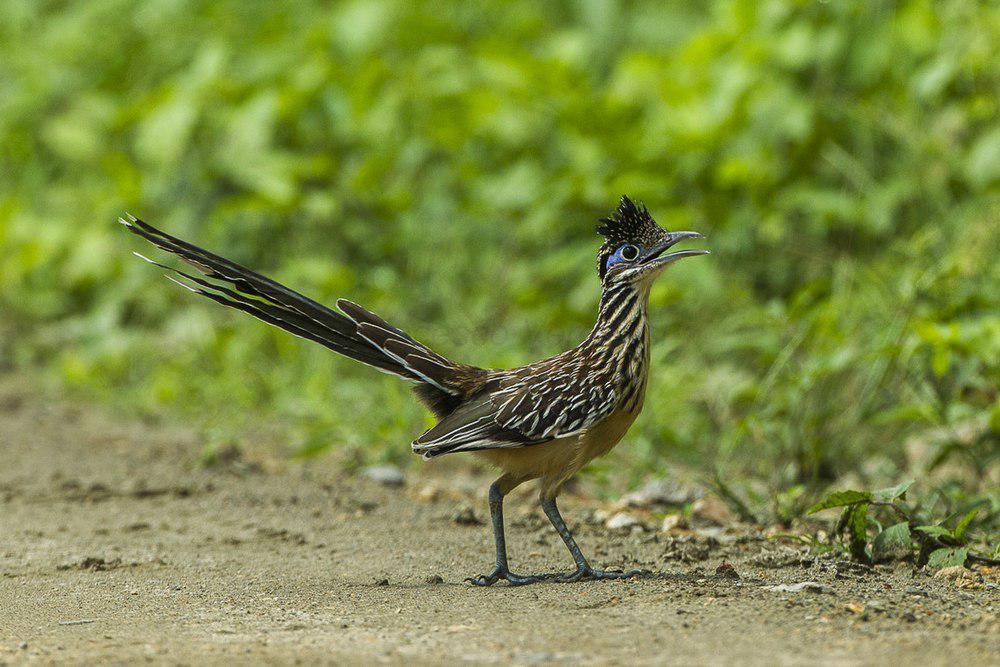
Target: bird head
(635, 247)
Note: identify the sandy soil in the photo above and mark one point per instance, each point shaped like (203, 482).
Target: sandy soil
(115, 545)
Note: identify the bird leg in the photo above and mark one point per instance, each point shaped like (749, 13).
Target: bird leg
(583, 569)
(498, 490)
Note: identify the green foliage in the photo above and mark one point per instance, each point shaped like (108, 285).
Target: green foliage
(893, 542)
(948, 557)
(893, 492)
(963, 524)
(857, 530)
(841, 499)
(952, 536)
(938, 546)
(444, 163)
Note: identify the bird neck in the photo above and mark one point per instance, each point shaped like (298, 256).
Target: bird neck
(617, 349)
(622, 313)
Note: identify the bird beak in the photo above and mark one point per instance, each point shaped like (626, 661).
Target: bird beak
(655, 254)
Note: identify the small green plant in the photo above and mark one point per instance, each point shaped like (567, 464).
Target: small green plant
(869, 540)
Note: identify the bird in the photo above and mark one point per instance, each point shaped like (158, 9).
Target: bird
(543, 421)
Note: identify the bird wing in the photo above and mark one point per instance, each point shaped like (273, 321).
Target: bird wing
(472, 426)
(527, 407)
(548, 405)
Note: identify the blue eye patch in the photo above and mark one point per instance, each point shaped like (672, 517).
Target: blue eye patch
(626, 253)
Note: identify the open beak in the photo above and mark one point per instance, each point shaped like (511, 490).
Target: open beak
(655, 254)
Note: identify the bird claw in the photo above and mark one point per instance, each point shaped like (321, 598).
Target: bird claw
(582, 574)
(590, 574)
(499, 573)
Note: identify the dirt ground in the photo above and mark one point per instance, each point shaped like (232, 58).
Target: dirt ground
(117, 546)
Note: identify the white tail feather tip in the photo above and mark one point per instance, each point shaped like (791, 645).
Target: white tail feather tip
(184, 285)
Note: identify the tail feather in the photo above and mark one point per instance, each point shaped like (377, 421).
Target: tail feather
(415, 357)
(242, 278)
(283, 318)
(360, 315)
(357, 333)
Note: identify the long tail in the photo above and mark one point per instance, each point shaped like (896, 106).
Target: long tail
(353, 332)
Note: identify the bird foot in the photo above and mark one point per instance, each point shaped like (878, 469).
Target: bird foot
(591, 574)
(499, 573)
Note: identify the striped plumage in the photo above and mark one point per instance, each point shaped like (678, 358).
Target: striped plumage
(541, 421)
(556, 397)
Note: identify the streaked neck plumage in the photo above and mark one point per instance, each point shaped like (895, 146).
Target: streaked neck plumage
(622, 313)
(619, 341)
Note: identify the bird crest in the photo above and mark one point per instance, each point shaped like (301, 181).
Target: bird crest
(627, 223)
(630, 223)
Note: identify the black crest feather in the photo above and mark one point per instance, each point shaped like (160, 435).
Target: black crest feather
(628, 223)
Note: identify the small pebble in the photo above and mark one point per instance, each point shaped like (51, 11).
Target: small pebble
(428, 493)
(664, 491)
(727, 571)
(855, 607)
(466, 516)
(386, 475)
(810, 586)
(713, 510)
(954, 572)
(672, 522)
(620, 521)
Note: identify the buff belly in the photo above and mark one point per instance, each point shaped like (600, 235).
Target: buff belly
(556, 461)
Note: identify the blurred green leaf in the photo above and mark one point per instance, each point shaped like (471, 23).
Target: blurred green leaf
(840, 499)
(892, 542)
(893, 492)
(948, 557)
(963, 525)
(857, 526)
(934, 531)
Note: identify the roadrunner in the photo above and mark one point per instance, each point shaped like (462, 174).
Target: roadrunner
(542, 421)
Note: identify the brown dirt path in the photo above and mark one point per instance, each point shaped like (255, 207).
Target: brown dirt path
(116, 546)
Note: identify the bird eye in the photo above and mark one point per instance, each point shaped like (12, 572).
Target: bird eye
(629, 252)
